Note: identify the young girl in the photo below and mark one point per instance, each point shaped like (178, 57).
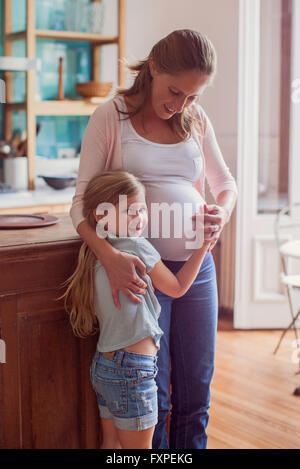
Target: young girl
(124, 365)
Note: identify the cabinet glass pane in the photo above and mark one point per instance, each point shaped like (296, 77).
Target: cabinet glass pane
(61, 14)
(19, 78)
(58, 134)
(77, 66)
(18, 9)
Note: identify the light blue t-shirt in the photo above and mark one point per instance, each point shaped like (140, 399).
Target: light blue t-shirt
(133, 321)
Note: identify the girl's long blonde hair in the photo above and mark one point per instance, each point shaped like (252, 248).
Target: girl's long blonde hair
(180, 51)
(79, 296)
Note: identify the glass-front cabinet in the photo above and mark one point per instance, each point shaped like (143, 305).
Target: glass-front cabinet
(89, 37)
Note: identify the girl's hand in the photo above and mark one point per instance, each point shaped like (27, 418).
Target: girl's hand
(215, 218)
(122, 275)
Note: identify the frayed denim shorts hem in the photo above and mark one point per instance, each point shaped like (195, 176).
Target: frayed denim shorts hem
(134, 423)
(126, 389)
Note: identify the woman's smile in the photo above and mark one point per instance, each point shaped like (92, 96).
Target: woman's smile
(169, 110)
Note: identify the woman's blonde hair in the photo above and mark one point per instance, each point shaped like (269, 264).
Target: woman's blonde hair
(180, 51)
(79, 296)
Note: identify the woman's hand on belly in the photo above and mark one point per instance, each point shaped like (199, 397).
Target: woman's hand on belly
(122, 275)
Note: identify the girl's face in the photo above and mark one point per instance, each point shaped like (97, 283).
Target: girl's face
(134, 216)
(173, 93)
(129, 219)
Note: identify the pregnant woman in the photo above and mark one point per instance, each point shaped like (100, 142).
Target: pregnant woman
(157, 130)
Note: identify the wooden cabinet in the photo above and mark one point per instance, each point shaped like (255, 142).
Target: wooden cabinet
(46, 398)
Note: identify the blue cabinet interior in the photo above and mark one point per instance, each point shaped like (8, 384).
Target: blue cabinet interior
(55, 132)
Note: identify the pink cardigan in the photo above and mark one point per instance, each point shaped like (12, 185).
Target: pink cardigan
(101, 151)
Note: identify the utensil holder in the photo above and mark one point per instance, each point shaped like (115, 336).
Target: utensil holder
(15, 171)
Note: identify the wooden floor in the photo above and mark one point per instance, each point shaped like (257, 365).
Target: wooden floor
(252, 405)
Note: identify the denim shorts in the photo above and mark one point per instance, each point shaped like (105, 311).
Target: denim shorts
(126, 389)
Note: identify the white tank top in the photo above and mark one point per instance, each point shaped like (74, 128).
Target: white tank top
(167, 172)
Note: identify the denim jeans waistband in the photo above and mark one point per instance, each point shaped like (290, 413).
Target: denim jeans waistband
(129, 359)
(176, 265)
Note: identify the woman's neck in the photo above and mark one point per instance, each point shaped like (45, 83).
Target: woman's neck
(132, 102)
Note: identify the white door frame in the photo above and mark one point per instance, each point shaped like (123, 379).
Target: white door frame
(255, 305)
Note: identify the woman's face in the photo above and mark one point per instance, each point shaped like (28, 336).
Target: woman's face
(127, 219)
(172, 93)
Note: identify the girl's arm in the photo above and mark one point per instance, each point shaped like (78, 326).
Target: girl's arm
(177, 285)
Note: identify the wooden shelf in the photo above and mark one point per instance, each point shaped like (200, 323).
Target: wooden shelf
(66, 107)
(65, 36)
(15, 36)
(76, 36)
(15, 106)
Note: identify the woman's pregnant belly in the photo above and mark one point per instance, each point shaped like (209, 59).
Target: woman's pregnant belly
(170, 207)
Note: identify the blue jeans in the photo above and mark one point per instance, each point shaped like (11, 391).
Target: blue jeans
(126, 389)
(189, 324)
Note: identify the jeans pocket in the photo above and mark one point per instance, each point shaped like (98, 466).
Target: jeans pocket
(114, 392)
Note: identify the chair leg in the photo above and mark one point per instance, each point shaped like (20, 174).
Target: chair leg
(285, 331)
(280, 340)
(292, 324)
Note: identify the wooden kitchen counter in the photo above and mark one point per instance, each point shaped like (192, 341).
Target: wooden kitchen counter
(60, 232)
(46, 399)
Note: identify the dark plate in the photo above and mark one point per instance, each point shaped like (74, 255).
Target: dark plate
(10, 222)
